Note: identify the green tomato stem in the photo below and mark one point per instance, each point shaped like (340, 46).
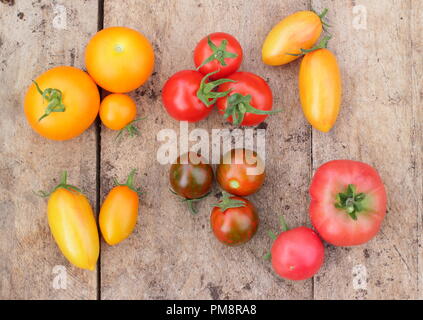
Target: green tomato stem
(219, 53)
(350, 201)
(206, 92)
(62, 184)
(238, 105)
(226, 202)
(130, 182)
(55, 99)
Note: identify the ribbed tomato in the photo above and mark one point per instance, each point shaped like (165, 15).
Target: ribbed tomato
(348, 202)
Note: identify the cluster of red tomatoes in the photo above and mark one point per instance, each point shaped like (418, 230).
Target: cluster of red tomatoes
(348, 204)
(243, 98)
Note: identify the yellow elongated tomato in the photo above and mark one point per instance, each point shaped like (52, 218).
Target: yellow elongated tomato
(320, 88)
(62, 103)
(119, 59)
(73, 226)
(300, 30)
(119, 211)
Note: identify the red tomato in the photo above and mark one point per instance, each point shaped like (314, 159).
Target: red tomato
(234, 220)
(238, 174)
(188, 96)
(348, 202)
(218, 52)
(249, 102)
(297, 254)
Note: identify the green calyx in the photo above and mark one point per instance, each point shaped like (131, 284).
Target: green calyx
(219, 53)
(226, 202)
(54, 98)
(238, 105)
(322, 17)
(132, 130)
(190, 202)
(206, 92)
(272, 235)
(62, 184)
(321, 45)
(129, 182)
(350, 201)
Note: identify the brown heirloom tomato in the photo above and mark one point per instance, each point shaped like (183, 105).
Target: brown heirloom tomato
(234, 220)
(191, 178)
(241, 172)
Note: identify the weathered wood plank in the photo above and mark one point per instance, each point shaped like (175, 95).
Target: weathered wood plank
(377, 125)
(35, 36)
(172, 254)
(416, 16)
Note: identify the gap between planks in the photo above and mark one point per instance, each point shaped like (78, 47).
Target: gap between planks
(100, 25)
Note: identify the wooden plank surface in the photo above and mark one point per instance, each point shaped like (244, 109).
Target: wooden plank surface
(416, 15)
(35, 36)
(173, 254)
(377, 125)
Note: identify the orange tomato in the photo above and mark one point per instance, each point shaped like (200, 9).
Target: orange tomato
(64, 105)
(119, 211)
(320, 88)
(117, 110)
(298, 31)
(119, 59)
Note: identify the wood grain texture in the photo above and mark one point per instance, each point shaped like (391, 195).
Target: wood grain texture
(173, 254)
(377, 125)
(35, 36)
(416, 16)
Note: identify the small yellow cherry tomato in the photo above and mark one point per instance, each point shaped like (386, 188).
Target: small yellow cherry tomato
(300, 30)
(320, 88)
(72, 224)
(119, 211)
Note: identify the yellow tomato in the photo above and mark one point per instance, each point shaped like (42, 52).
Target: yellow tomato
(117, 110)
(119, 59)
(298, 31)
(73, 226)
(64, 104)
(320, 88)
(119, 211)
